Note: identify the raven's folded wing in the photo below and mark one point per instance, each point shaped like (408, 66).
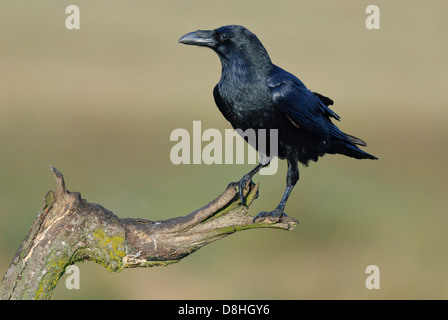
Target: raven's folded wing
(303, 108)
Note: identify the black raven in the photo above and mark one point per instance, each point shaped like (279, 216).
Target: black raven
(253, 93)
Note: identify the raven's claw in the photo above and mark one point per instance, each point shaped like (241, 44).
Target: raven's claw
(242, 184)
(273, 216)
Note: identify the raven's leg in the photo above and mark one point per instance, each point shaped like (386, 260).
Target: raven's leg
(247, 178)
(291, 179)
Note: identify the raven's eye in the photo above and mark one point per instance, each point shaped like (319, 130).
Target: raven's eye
(224, 36)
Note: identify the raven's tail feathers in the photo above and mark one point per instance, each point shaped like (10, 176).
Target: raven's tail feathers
(356, 140)
(354, 152)
(350, 149)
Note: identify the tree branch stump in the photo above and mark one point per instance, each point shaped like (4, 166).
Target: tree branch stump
(68, 229)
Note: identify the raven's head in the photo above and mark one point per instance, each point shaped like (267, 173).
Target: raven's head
(229, 42)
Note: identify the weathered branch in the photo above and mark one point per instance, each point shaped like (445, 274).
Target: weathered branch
(68, 229)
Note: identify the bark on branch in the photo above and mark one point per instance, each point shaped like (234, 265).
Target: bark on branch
(68, 229)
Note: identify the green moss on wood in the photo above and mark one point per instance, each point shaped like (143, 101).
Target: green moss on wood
(55, 266)
(111, 250)
(49, 200)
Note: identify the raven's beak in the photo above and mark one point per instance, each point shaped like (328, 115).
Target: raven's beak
(199, 38)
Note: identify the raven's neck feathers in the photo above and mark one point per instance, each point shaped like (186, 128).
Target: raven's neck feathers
(250, 64)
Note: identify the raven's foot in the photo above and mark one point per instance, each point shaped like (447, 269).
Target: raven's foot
(245, 182)
(273, 216)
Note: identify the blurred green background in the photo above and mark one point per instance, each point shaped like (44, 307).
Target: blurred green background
(100, 103)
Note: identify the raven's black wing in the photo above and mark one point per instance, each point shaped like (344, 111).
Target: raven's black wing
(325, 100)
(306, 109)
(309, 111)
